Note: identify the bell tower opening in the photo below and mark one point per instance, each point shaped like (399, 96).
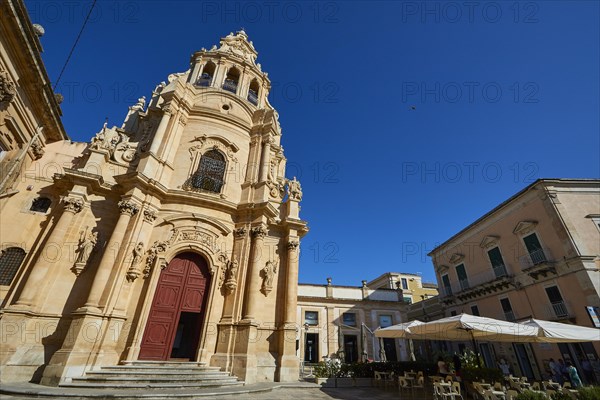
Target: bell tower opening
(207, 75)
(232, 80)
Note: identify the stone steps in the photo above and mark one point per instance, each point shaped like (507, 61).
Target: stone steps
(155, 375)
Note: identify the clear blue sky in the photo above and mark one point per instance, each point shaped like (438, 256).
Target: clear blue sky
(404, 121)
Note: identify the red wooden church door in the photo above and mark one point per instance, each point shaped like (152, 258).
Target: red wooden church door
(177, 311)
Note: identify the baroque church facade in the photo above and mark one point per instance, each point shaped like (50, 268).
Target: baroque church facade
(172, 237)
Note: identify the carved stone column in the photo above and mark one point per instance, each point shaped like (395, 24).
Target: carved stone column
(127, 208)
(291, 290)
(240, 236)
(288, 361)
(253, 295)
(160, 131)
(43, 266)
(265, 159)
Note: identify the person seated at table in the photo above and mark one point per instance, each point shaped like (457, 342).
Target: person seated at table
(442, 367)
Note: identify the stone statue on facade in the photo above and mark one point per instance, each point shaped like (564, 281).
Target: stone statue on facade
(230, 275)
(86, 246)
(294, 189)
(138, 253)
(268, 275)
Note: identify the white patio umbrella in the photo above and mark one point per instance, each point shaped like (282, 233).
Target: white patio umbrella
(465, 327)
(555, 332)
(399, 331)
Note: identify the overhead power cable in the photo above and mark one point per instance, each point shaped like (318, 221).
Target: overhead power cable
(74, 44)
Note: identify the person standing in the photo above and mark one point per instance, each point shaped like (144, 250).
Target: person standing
(573, 375)
(457, 365)
(504, 367)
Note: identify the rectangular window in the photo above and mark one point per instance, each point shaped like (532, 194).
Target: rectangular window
(558, 305)
(385, 321)
(404, 283)
(462, 276)
(475, 310)
(507, 308)
(407, 300)
(446, 284)
(349, 319)
(534, 248)
(497, 262)
(311, 317)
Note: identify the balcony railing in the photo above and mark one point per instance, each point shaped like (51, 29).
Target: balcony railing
(253, 97)
(538, 256)
(499, 270)
(464, 284)
(205, 80)
(230, 85)
(448, 290)
(560, 309)
(510, 316)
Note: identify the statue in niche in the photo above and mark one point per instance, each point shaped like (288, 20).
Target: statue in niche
(230, 275)
(87, 243)
(268, 275)
(138, 253)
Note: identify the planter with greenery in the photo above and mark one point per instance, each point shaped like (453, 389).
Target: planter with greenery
(589, 393)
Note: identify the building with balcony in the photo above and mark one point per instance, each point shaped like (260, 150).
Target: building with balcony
(536, 255)
(173, 236)
(412, 286)
(338, 321)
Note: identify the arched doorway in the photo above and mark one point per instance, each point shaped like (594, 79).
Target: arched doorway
(178, 309)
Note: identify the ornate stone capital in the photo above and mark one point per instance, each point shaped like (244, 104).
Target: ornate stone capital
(259, 232)
(73, 204)
(128, 207)
(292, 245)
(241, 232)
(167, 109)
(149, 216)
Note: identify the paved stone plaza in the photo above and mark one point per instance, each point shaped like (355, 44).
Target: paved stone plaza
(265, 391)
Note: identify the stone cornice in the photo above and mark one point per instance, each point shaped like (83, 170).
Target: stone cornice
(96, 182)
(34, 80)
(138, 180)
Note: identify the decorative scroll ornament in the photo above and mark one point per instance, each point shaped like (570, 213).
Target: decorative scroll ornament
(292, 245)
(149, 216)
(294, 189)
(238, 45)
(134, 271)
(276, 189)
(241, 232)
(8, 90)
(213, 143)
(268, 275)
(259, 232)
(87, 244)
(228, 276)
(128, 207)
(157, 248)
(73, 204)
(38, 150)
